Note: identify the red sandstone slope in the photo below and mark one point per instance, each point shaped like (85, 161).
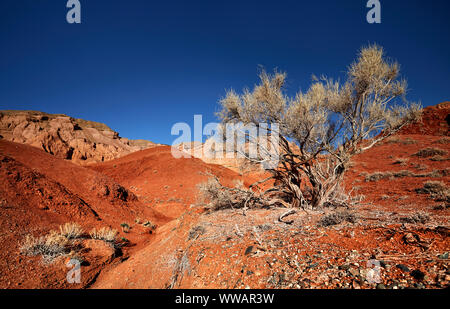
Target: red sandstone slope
(435, 121)
(39, 192)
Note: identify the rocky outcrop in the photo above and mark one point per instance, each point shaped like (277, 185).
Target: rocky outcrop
(78, 140)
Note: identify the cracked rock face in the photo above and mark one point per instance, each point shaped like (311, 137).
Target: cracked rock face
(83, 142)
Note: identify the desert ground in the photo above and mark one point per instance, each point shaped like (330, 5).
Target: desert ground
(56, 170)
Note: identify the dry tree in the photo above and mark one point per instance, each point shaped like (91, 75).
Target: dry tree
(321, 129)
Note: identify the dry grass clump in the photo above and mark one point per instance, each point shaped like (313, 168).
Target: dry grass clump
(404, 173)
(376, 176)
(105, 233)
(420, 167)
(71, 230)
(337, 218)
(50, 246)
(430, 152)
(436, 173)
(418, 217)
(320, 130)
(436, 189)
(443, 141)
(215, 196)
(433, 187)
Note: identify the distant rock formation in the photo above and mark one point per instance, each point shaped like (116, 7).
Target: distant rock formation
(81, 141)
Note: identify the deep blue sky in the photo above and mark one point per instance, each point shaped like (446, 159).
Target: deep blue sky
(141, 65)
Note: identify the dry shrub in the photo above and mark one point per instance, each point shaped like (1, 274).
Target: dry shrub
(434, 174)
(430, 152)
(105, 233)
(215, 195)
(149, 225)
(125, 227)
(418, 217)
(337, 218)
(73, 255)
(71, 230)
(377, 176)
(49, 246)
(404, 173)
(436, 189)
(441, 206)
(387, 175)
(420, 167)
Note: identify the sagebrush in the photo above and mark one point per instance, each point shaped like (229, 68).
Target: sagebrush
(105, 233)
